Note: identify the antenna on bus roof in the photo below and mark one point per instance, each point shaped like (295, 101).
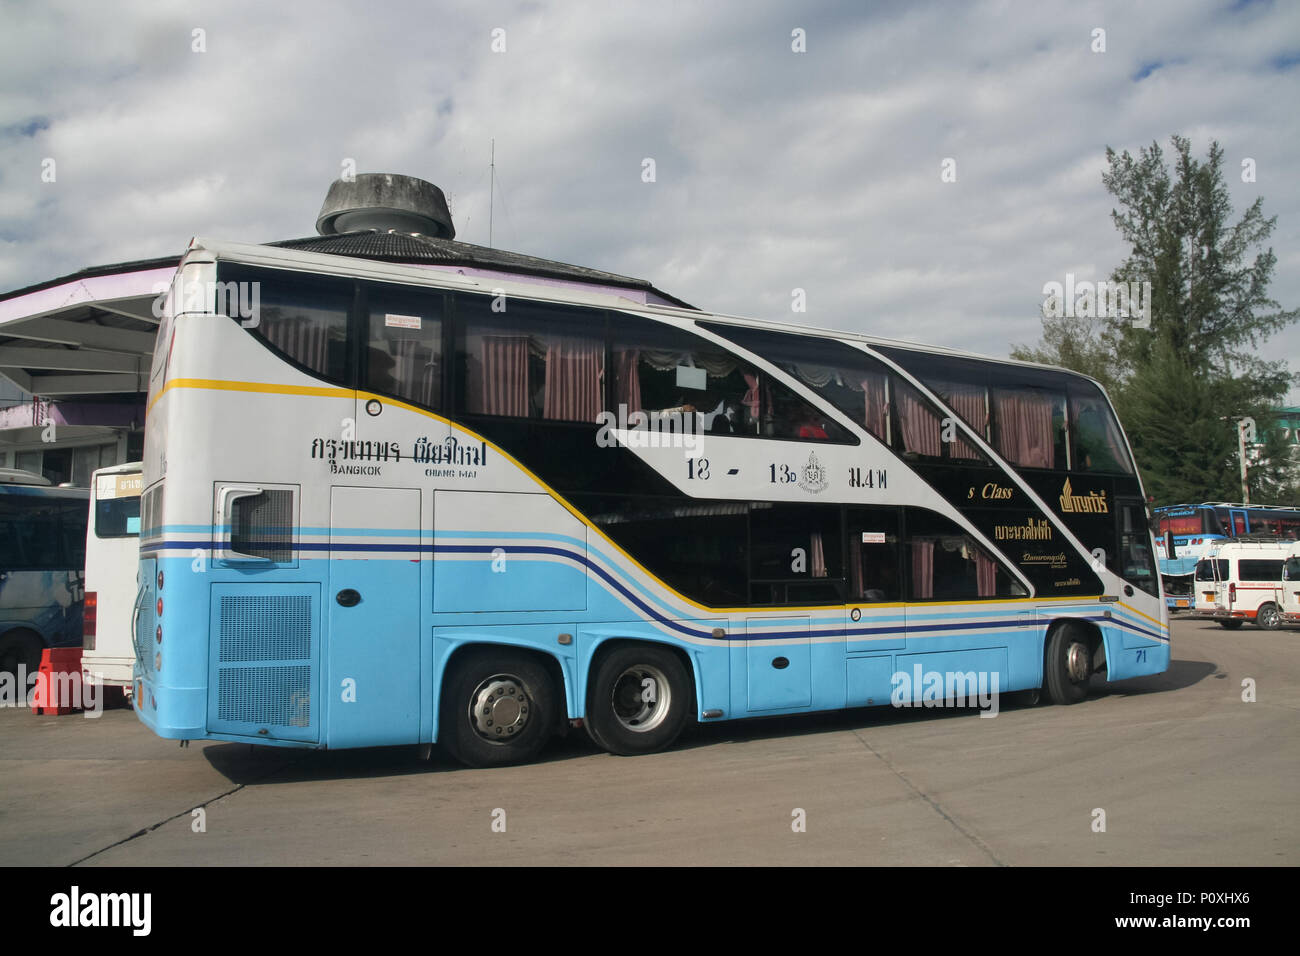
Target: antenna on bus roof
(492, 182)
(384, 202)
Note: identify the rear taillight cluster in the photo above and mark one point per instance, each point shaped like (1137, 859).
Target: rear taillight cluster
(89, 618)
(1232, 592)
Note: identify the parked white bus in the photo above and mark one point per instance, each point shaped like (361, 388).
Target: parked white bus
(112, 560)
(1241, 581)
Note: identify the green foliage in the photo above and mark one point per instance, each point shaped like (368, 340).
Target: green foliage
(1179, 384)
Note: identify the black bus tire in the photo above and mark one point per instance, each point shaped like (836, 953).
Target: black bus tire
(639, 700)
(1067, 665)
(1230, 625)
(498, 707)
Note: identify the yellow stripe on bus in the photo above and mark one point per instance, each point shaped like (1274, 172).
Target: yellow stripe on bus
(225, 385)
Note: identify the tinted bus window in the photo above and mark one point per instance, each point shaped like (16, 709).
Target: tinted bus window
(117, 505)
(852, 381)
(117, 517)
(946, 563)
(875, 552)
(696, 547)
(661, 368)
(305, 321)
(530, 361)
(1137, 563)
(795, 555)
(403, 354)
(41, 534)
(1098, 444)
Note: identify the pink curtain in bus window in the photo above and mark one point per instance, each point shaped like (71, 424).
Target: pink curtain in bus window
(922, 569)
(627, 373)
(875, 412)
(986, 574)
(573, 376)
(750, 401)
(919, 425)
(818, 555)
(503, 381)
(968, 401)
(1025, 428)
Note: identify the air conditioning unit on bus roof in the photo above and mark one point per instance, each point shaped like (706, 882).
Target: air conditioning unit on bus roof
(385, 202)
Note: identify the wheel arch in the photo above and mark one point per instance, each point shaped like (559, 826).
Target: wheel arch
(1098, 641)
(555, 667)
(608, 645)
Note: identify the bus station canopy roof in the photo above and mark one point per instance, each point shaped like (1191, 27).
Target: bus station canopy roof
(92, 332)
(88, 333)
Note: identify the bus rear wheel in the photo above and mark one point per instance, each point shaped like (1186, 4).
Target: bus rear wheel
(639, 701)
(1068, 665)
(498, 707)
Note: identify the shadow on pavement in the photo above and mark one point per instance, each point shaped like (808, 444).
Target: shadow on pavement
(247, 764)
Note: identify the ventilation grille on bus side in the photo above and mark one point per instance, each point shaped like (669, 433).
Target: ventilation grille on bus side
(262, 525)
(274, 630)
(276, 696)
(265, 628)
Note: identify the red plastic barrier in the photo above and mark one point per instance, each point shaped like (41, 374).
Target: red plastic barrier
(60, 671)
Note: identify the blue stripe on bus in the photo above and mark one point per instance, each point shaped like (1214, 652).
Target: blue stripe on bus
(646, 593)
(831, 631)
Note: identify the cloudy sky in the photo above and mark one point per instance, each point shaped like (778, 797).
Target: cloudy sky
(774, 169)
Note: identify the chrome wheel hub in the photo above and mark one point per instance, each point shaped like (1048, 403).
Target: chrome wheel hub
(1076, 662)
(500, 708)
(641, 698)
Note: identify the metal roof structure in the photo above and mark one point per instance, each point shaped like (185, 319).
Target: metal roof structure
(88, 333)
(92, 332)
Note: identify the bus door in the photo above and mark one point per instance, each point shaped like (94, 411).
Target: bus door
(875, 624)
(796, 563)
(374, 598)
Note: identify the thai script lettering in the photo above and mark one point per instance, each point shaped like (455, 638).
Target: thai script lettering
(1036, 529)
(333, 449)
(1094, 502)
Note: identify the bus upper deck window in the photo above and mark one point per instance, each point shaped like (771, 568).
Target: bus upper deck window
(1098, 444)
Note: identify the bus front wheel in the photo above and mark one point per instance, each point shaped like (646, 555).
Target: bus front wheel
(1230, 625)
(639, 701)
(1068, 665)
(498, 707)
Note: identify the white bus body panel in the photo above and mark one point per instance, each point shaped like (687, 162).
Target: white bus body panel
(111, 566)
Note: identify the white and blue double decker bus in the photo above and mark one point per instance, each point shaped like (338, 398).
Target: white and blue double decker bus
(394, 505)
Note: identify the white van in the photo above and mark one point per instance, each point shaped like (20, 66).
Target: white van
(1291, 586)
(112, 558)
(1240, 581)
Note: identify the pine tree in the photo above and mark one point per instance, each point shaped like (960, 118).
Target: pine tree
(1183, 373)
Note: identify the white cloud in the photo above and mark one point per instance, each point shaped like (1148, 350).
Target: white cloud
(775, 169)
